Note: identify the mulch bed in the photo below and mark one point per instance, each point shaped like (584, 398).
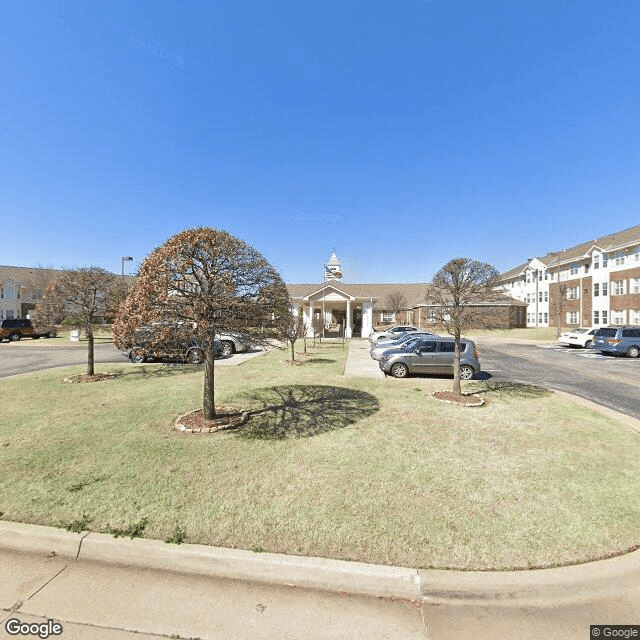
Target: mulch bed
(227, 418)
(463, 400)
(294, 363)
(96, 377)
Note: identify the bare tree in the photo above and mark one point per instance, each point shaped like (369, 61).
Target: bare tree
(317, 326)
(80, 298)
(212, 280)
(453, 293)
(396, 302)
(561, 304)
(293, 329)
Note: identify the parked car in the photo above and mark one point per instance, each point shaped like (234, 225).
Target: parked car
(582, 337)
(233, 343)
(405, 342)
(393, 332)
(14, 329)
(432, 355)
(162, 341)
(622, 340)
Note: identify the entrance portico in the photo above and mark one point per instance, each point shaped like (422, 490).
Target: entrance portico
(339, 310)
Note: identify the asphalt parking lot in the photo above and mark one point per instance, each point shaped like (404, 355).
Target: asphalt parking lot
(611, 381)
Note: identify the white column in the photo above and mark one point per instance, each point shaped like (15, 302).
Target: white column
(310, 330)
(348, 324)
(367, 319)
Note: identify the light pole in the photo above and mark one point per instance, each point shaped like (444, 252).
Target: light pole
(125, 258)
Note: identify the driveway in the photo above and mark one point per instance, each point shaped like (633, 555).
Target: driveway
(610, 381)
(30, 356)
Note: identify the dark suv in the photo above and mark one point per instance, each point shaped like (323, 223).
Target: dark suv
(14, 329)
(166, 342)
(618, 340)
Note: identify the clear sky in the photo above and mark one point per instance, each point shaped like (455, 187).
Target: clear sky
(400, 133)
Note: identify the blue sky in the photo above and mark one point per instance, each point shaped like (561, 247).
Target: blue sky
(401, 134)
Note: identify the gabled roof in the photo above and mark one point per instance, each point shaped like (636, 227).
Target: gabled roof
(497, 300)
(611, 242)
(375, 292)
(25, 275)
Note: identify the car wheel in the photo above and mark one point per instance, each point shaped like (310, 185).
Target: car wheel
(227, 349)
(196, 356)
(587, 344)
(137, 356)
(633, 351)
(399, 370)
(466, 372)
(14, 337)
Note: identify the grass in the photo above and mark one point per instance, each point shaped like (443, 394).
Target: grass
(349, 468)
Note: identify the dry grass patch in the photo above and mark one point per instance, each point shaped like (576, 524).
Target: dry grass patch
(353, 468)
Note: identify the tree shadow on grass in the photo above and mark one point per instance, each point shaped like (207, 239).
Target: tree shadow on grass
(160, 370)
(510, 390)
(321, 360)
(299, 411)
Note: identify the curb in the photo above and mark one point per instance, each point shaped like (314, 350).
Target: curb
(562, 585)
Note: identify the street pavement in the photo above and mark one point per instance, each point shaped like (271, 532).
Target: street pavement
(36, 355)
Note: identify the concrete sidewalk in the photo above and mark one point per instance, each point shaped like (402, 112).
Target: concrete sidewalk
(359, 361)
(101, 587)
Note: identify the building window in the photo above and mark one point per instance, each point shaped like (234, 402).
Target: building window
(605, 319)
(637, 254)
(546, 296)
(546, 318)
(572, 317)
(596, 317)
(605, 288)
(634, 285)
(539, 296)
(572, 293)
(618, 288)
(619, 258)
(635, 316)
(540, 317)
(605, 259)
(540, 275)
(386, 317)
(10, 292)
(575, 268)
(617, 317)
(596, 290)
(10, 315)
(546, 275)
(596, 262)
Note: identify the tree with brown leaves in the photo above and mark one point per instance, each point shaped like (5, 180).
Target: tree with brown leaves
(453, 293)
(80, 298)
(213, 281)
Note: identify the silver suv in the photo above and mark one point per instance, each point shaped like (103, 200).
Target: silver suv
(432, 355)
(618, 340)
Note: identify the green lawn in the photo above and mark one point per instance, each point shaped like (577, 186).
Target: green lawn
(351, 468)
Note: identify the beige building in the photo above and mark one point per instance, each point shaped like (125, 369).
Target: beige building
(356, 309)
(21, 288)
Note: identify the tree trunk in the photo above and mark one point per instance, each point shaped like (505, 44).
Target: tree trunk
(457, 389)
(293, 346)
(208, 402)
(90, 356)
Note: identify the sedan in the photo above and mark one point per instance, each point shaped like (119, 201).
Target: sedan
(405, 342)
(391, 333)
(432, 356)
(578, 337)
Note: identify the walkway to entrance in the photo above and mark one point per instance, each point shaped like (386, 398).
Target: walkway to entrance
(360, 362)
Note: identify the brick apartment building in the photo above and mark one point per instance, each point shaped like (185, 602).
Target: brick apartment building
(596, 283)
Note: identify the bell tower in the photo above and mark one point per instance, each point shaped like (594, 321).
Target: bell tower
(333, 269)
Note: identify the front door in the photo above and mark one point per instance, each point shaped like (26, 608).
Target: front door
(357, 322)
